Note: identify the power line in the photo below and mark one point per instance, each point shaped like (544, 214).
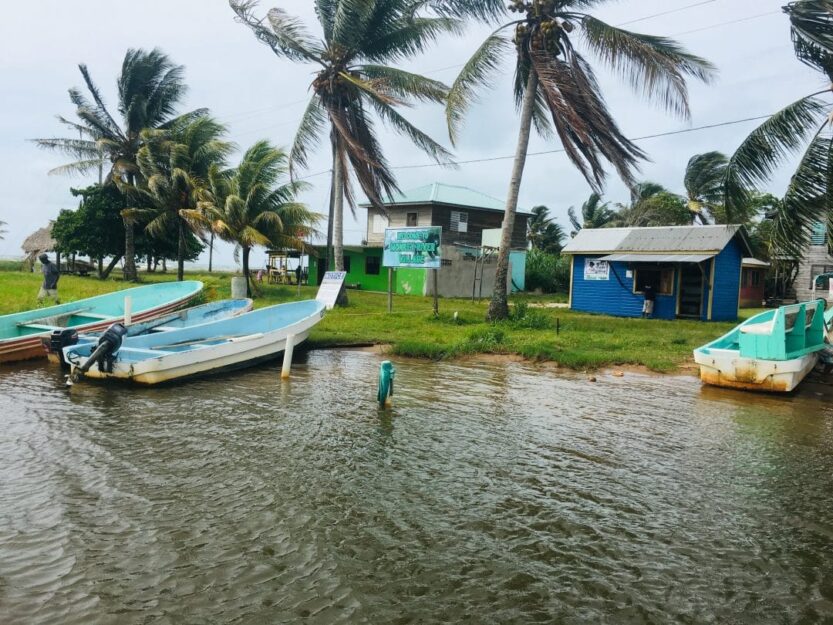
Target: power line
(677, 10)
(561, 150)
(737, 21)
(256, 112)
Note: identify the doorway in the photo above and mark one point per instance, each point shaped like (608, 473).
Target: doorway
(691, 291)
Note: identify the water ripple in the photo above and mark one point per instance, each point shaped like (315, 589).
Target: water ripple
(491, 494)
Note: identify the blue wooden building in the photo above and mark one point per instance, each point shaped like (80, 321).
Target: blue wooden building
(695, 271)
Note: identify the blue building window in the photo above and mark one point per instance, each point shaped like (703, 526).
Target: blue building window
(819, 234)
(662, 280)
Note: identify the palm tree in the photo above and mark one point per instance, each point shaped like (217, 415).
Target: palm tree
(594, 214)
(2, 230)
(660, 208)
(703, 181)
(802, 125)
(354, 76)
(556, 89)
(150, 87)
(175, 164)
(254, 204)
(545, 234)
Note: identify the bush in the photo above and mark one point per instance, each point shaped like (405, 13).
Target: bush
(547, 272)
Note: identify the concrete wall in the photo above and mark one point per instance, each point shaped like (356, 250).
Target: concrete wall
(816, 256)
(456, 279)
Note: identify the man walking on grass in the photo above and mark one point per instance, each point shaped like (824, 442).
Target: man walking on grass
(51, 275)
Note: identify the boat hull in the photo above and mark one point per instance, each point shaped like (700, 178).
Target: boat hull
(730, 370)
(30, 347)
(205, 313)
(237, 353)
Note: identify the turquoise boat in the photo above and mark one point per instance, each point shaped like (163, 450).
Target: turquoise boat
(208, 348)
(185, 318)
(772, 351)
(21, 333)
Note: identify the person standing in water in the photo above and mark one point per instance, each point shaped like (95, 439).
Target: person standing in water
(51, 275)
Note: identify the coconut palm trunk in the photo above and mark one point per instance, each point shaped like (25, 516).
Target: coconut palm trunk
(246, 251)
(338, 215)
(498, 307)
(180, 252)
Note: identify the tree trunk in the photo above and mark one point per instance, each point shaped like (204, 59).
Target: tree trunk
(129, 253)
(211, 253)
(338, 215)
(164, 265)
(246, 271)
(328, 258)
(150, 263)
(498, 308)
(180, 252)
(58, 261)
(106, 273)
(338, 225)
(100, 268)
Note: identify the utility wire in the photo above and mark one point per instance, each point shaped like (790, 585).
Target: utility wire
(256, 112)
(677, 10)
(561, 150)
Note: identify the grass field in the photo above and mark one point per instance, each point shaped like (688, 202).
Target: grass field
(582, 341)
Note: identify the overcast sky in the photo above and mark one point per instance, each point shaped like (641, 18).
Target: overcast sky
(261, 96)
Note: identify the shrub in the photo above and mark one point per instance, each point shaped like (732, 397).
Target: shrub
(547, 272)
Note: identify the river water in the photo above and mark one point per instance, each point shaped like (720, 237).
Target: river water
(491, 494)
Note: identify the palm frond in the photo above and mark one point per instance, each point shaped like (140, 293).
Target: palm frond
(308, 134)
(657, 66)
(811, 30)
(807, 200)
(586, 128)
(403, 85)
(408, 38)
(767, 147)
(485, 10)
(478, 72)
(417, 137)
(285, 35)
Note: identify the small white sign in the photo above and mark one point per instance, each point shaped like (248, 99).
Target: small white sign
(628, 273)
(330, 287)
(596, 270)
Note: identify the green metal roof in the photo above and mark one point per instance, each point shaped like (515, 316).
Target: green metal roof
(451, 195)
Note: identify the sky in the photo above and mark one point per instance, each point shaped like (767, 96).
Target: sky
(261, 96)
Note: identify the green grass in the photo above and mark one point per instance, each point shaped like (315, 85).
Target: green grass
(583, 341)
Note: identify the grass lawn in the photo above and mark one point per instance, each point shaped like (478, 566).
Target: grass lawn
(583, 341)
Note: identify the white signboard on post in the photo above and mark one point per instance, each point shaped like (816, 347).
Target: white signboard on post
(330, 288)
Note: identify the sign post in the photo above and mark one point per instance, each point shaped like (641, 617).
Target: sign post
(390, 289)
(331, 287)
(414, 248)
(436, 295)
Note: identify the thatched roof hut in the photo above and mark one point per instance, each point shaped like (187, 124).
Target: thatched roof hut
(39, 241)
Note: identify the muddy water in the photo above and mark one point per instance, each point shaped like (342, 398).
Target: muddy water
(492, 494)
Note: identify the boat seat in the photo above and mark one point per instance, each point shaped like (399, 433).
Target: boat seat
(36, 326)
(96, 315)
(138, 351)
(164, 328)
(758, 328)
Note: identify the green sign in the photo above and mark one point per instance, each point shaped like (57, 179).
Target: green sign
(412, 247)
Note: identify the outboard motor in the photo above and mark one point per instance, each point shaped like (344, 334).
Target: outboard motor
(105, 351)
(60, 339)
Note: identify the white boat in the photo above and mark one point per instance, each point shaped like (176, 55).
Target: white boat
(223, 345)
(772, 351)
(187, 317)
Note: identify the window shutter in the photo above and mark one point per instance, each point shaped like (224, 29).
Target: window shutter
(459, 221)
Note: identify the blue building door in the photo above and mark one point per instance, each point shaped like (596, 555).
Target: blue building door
(691, 290)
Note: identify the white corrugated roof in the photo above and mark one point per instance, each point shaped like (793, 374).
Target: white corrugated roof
(658, 258)
(754, 262)
(668, 239)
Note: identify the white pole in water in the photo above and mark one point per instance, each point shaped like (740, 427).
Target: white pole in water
(128, 310)
(287, 356)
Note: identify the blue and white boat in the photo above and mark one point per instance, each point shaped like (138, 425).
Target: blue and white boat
(185, 318)
(228, 344)
(21, 333)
